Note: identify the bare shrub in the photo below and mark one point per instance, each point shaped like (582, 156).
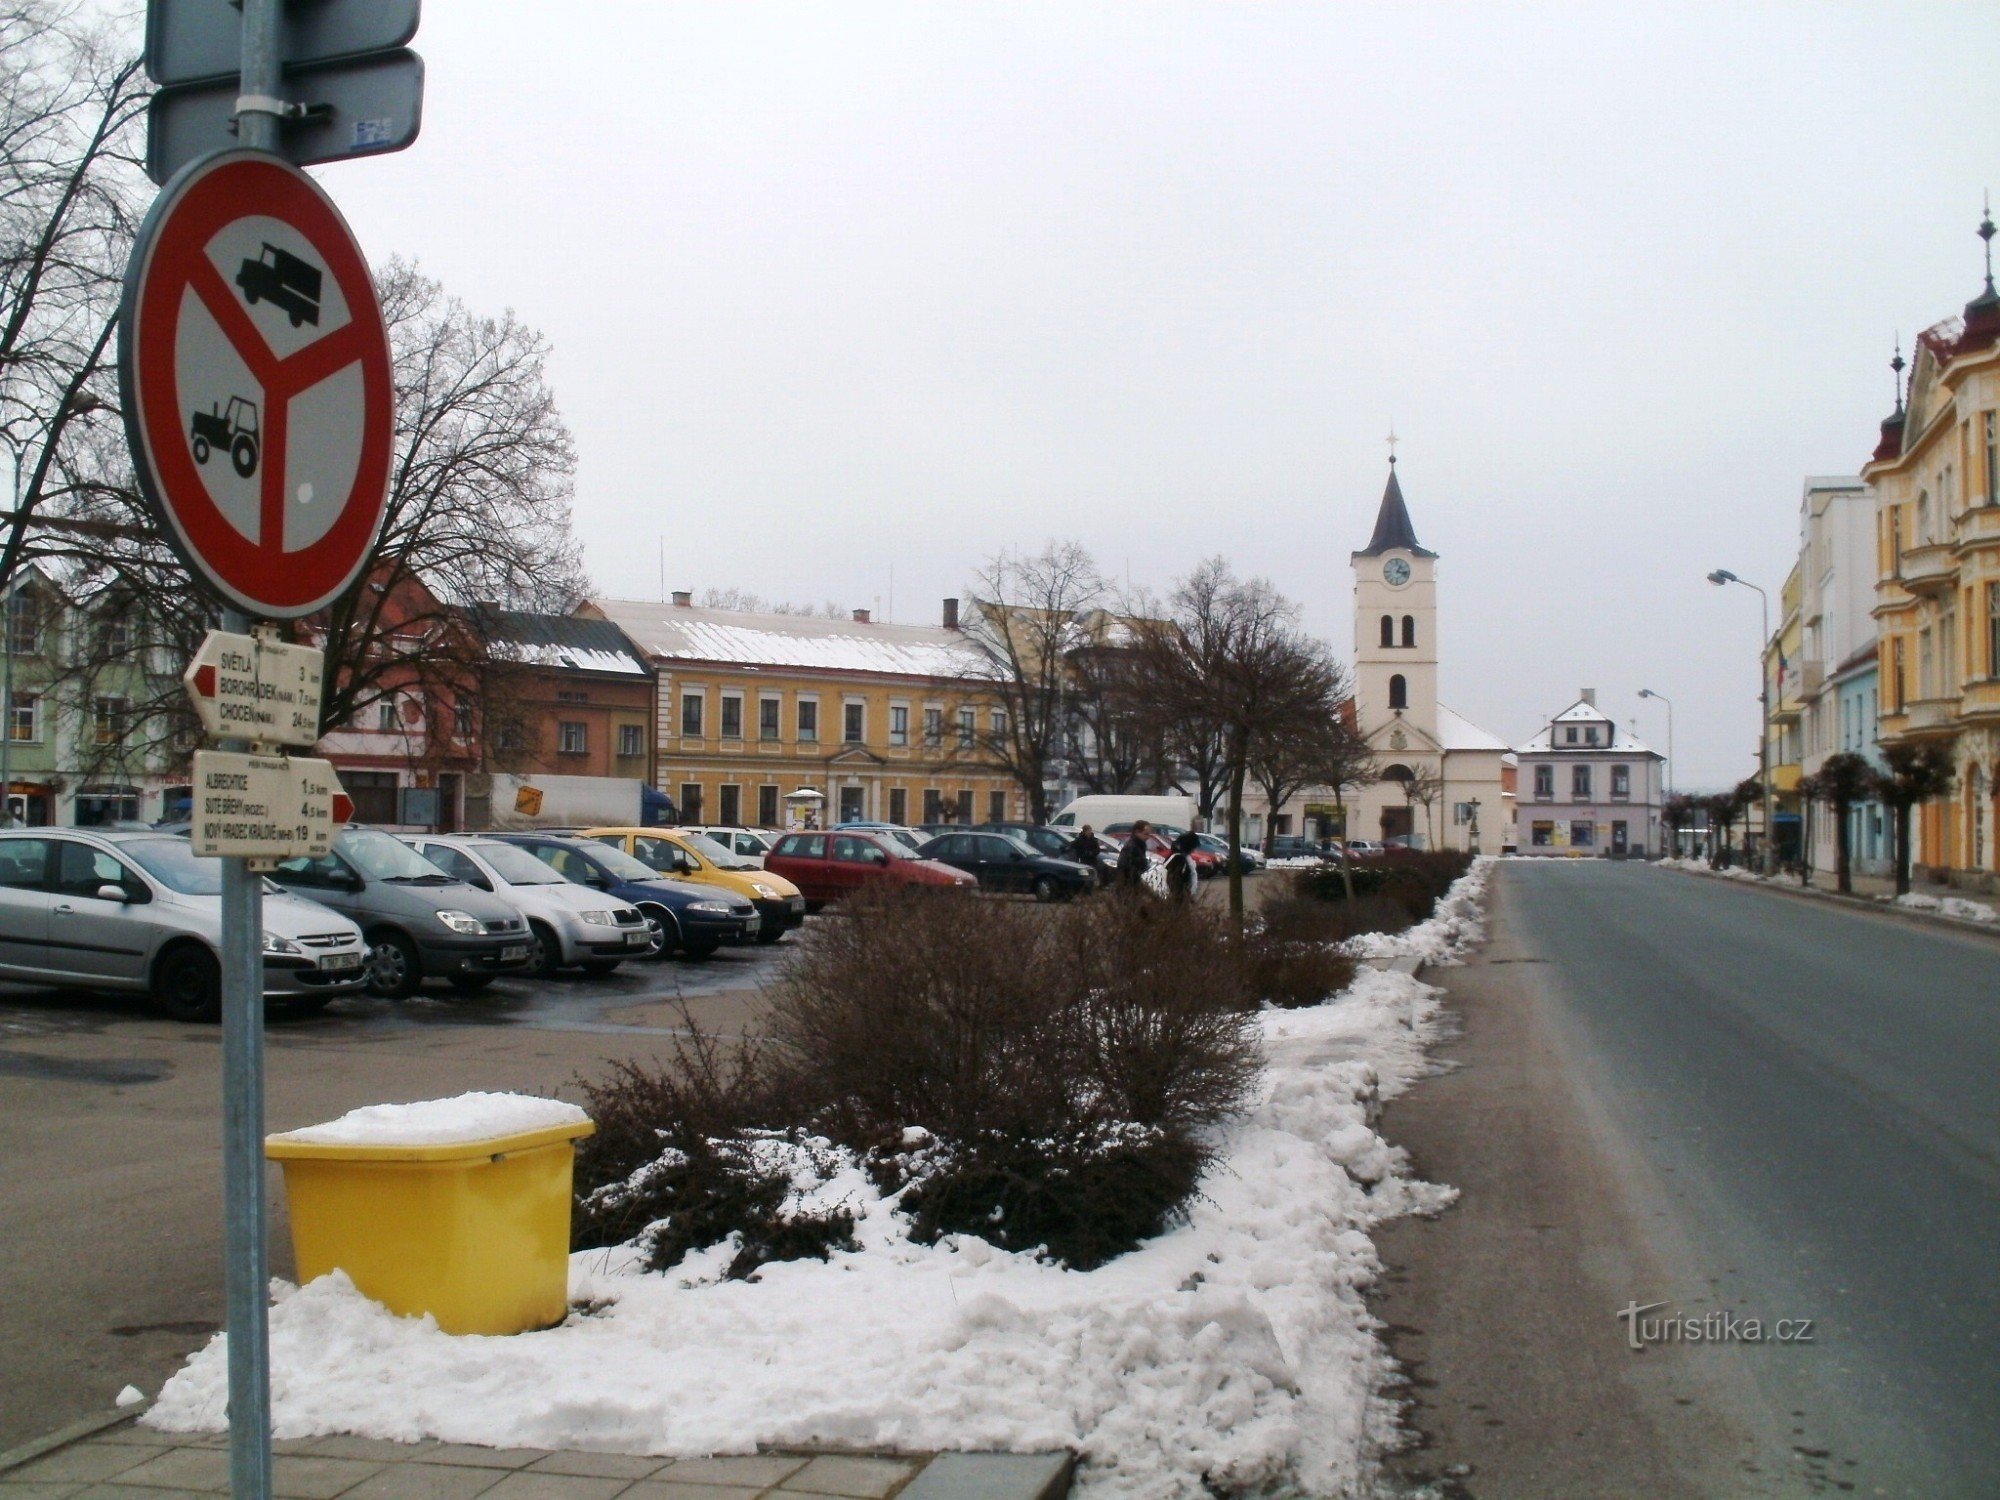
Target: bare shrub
(692, 1151)
(1058, 1065)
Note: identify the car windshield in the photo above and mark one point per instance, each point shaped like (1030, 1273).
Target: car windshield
(1021, 845)
(621, 864)
(717, 853)
(902, 843)
(515, 866)
(380, 857)
(176, 866)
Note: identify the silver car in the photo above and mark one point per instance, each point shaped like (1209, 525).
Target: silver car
(748, 844)
(568, 924)
(85, 909)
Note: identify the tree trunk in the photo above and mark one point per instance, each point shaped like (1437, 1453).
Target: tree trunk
(1842, 867)
(1903, 849)
(1236, 778)
(1346, 869)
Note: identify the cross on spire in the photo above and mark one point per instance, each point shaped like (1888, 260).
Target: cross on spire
(1392, 425)
(1896, 367)
(1986, 234)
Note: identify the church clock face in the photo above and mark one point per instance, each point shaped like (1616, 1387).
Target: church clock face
(1395, 572)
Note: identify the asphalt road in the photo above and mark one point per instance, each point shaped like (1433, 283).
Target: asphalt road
(111, 1158)
(1795, 1109)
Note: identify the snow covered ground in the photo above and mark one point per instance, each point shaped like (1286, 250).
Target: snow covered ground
(1232, 1355)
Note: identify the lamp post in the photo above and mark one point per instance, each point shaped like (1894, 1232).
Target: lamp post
(1474, 806)
(1719, 577)
(1649, 693)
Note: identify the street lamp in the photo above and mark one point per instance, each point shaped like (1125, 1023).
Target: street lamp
(1649, 693)
(1718, 577)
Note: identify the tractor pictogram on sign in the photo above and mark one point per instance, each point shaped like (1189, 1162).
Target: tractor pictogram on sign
(234, 431)
(251, 329)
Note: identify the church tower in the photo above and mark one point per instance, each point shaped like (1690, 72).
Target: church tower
(1395, 632)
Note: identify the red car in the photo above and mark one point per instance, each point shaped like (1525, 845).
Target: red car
(827, 866)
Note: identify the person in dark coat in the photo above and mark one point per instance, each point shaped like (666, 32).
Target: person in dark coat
(1084, 849)
(1180, 866)
(1132, 858)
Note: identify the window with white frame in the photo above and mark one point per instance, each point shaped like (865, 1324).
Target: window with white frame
(899, 725)
(107, 720)
(968, 727)
(1545, 782)
(732, 716)
(808, 718)
(996, 723)
(1579, 781)
(853, 722)
(768, 710)
(933, 729)
(691, 710)
(1621, 781)
(24, 719)
(631, 740)
(385, 714)
(574, 737)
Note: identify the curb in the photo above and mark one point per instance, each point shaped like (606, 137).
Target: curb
(62, 1437)
(1858, 904)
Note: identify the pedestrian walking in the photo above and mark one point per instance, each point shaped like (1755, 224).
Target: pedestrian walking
(1132, 858)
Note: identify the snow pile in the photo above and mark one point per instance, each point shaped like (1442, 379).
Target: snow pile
(1703, 867)
(1454, 927)
(440, 1122)
(1232, 1355)
(1294, 862)
(1949, 906)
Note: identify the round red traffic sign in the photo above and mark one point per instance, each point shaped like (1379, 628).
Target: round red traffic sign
(255, 371)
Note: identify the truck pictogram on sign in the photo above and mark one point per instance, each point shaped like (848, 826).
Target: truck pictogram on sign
(280, 277)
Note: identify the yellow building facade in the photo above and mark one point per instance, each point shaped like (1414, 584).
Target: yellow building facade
(1936, 478)
(770, 720)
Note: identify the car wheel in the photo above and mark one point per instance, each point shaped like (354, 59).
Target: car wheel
(666, 934)
(470, 984)
(1045, 888)
(394, 970)
(188, 985)
(598, 967)
(544, 951)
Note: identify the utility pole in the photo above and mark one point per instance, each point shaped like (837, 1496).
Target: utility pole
(1770, 850)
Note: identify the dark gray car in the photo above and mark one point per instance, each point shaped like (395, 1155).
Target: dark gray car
(419, 922)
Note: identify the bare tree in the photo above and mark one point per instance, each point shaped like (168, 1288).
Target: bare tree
(1422, 788)
(1230, 652)
(743, 599)
(1114, 741)
(1031, 615)
(71, 93)
(1298, 756)
(1914, 774)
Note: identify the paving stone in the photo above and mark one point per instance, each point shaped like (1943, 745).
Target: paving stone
(526, 1486)
(858, 1478)
(484, 1458)
(134, 1492)
(37, 1489)
(757, 1471)
(190, 1470)
(83, 1463)
(142, 1437)
(424, 1481)
(598, 1465)
(381, 1450)
(654, 1489)
(309, 1478)
(992, 1476)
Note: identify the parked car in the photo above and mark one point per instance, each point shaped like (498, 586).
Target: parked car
(686, 855)
(1363, 849)
(1252, 858)
(827, 866)
(910, 838)
(745, 843)
(142, 912)
(569, 925)
(686, 918)
(1002, 862)
(1298, 846)
(1115, 810)
(419, 922)
(1058, 843)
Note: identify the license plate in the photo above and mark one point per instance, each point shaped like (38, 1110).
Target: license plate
(341, 961)
(798, 903)
(518, 950)
(637, 939)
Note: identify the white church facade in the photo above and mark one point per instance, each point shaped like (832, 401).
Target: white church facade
(1444, 782)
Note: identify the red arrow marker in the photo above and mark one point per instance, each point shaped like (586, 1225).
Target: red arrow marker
(343, 808)
(204, 681)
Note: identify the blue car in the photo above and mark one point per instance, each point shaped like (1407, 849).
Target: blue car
(693, 919)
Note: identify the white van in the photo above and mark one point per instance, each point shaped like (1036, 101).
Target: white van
(1102, 811)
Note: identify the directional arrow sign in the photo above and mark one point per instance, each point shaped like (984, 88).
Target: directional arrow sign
(265, 806)
(248, 688)
(201, 41)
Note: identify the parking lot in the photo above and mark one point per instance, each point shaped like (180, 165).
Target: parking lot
(110, 1141)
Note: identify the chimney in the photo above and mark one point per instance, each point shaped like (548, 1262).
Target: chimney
(861, 617)
(951, 614)
(684, 598)
(1590, 696)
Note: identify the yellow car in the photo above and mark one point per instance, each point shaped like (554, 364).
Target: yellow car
(686, 855)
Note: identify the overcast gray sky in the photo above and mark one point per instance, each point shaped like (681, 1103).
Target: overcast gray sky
(837, 290)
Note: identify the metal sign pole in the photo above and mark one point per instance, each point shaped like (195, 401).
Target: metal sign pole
(244, 1209)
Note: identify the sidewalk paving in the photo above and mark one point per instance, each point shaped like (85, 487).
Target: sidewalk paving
(124, 1461)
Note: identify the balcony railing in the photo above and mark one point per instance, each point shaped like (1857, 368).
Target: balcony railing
(1929, 569)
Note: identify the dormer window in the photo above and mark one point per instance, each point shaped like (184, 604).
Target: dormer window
(1569, 735)
(1590, 735)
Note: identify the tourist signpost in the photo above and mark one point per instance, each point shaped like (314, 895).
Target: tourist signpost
(254, 368)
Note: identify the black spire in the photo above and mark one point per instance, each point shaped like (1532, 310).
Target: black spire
(1982, 313)
(1392, 523)
(1896, 367)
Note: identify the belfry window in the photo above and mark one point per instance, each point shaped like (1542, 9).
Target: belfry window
(1388, 630)
(1409, 630)
(1399, 692)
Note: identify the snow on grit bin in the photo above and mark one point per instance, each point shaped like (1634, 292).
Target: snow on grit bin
(475, 1233)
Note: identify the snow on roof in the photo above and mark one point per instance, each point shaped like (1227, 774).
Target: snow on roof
(1580, 711)
(576, 643)
(1456, 732)
(677, 632)
(1622, 742)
